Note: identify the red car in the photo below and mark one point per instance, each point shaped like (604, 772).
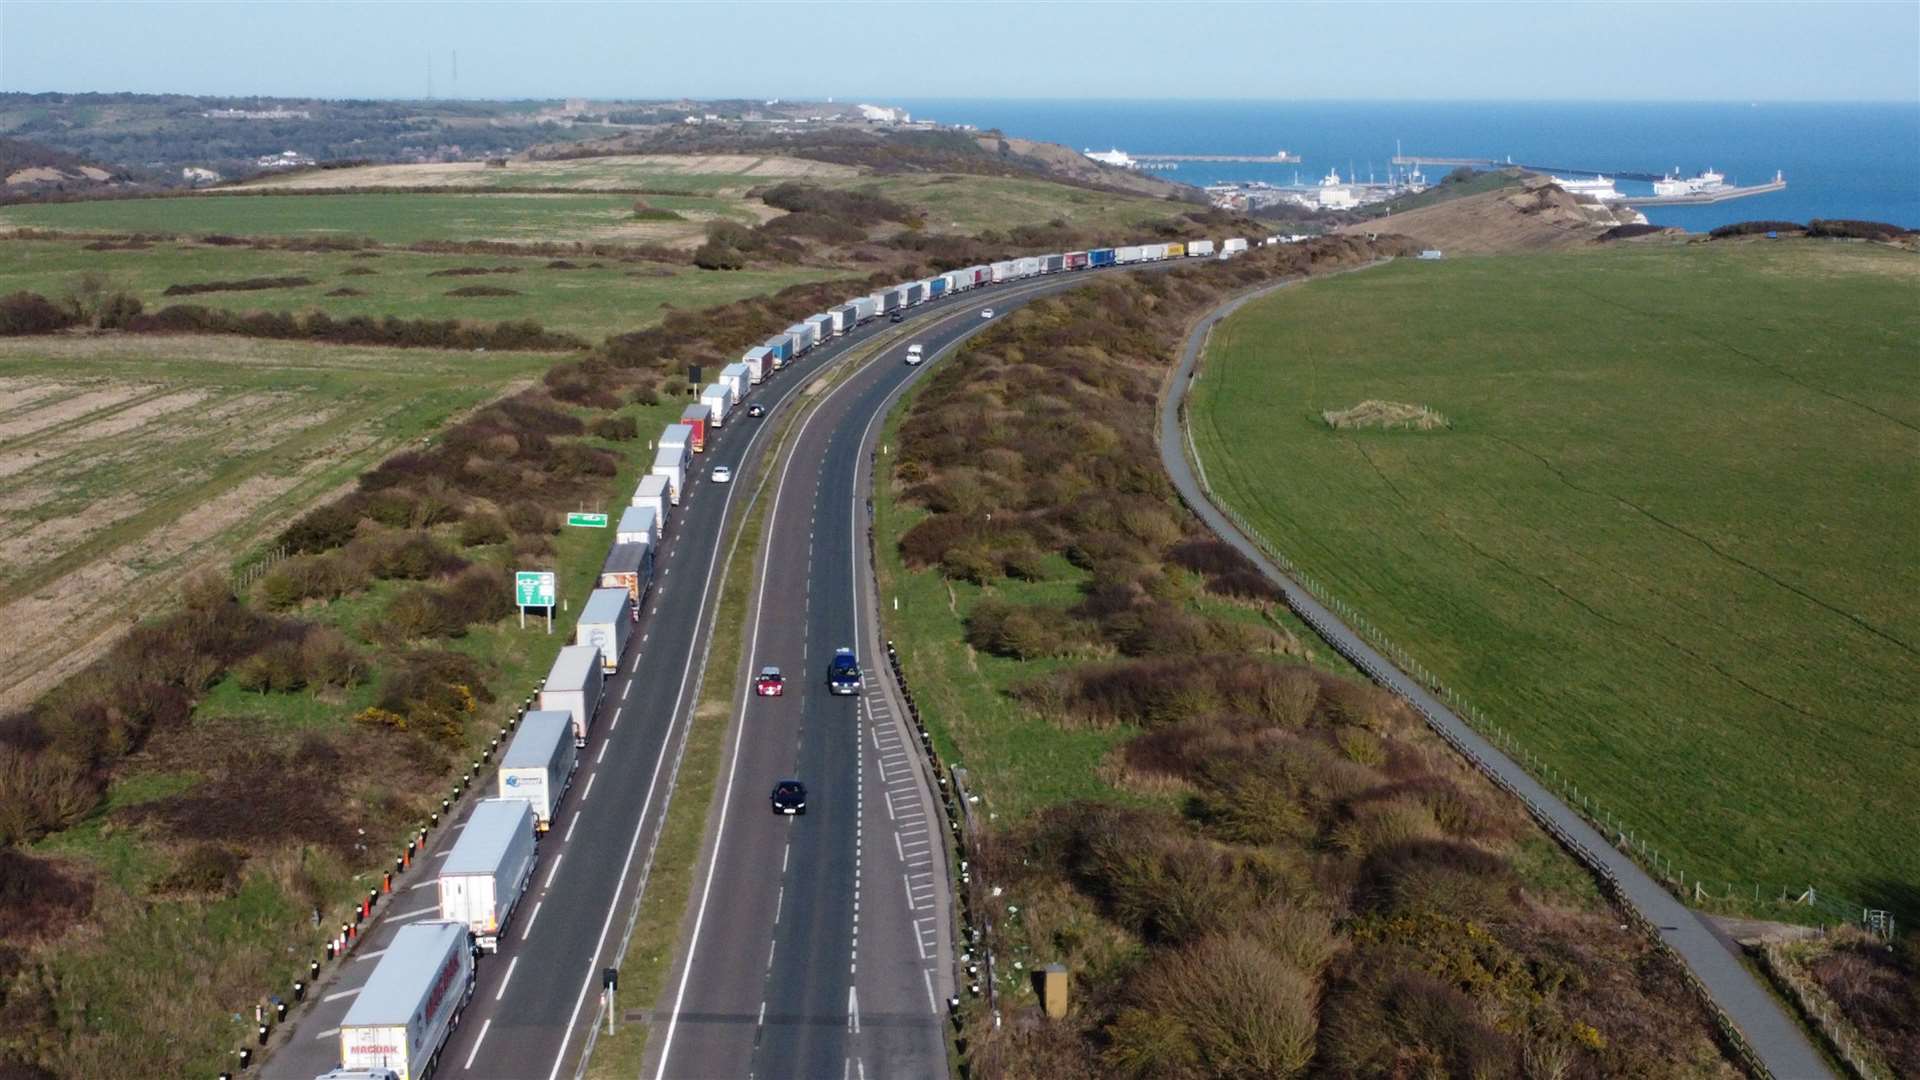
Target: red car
(770, 683)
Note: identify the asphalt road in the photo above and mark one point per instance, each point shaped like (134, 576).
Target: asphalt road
(820, 944)
(1773, 1035)
(536, 997)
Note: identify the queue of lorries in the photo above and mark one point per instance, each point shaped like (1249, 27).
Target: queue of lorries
(408, 1009)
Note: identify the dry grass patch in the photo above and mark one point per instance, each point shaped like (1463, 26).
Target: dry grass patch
(1385, 415)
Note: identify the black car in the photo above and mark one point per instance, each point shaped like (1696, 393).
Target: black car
(756, 410)
(789, 797)
(843, 673)
(897, 316)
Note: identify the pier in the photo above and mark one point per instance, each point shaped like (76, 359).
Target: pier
(1701, 197)
(1417, 160)
(1281, 158)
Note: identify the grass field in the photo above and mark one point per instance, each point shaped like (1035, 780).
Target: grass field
(126, 461)
(701, 174)
(597, 298)
(971, 204)
(1668, 540)
(397, 218)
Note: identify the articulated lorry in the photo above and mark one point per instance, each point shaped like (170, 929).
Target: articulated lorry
(487, 871)
(539, 763)
(403, 1016)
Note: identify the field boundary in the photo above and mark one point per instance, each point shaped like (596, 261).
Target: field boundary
(1755, 1027)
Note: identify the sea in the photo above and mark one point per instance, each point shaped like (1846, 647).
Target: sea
(1857, 161)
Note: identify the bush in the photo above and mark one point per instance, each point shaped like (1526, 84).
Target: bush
(328, 659)
(300, 578)
(1855, 230)
(321, 529)
(480, 529)
(716, 256)
(1247, 1012)
(617, 428)
(31, 313)
(41, 791)
(244, 285)
(205, 869)
(279, 668)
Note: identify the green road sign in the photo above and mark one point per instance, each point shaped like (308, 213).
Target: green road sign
(587, 521)
(533, 588)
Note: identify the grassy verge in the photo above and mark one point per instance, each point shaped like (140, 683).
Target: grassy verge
(1657, 535)
(584, 295)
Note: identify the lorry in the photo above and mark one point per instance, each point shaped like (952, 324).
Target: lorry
(1052, 264)
(1234, 245)
(695, 417)
(1026, 267)
(573, 685)
(936, 287)
(822, 326)
(606, 622)
(802, 337)
(718, 403)
(738, 381)
(486, 873)
(409, 1006)
(1076, 260)
(759, 361)
(845, 318)
(638, 525)
(680, 435)
(781, 346)
(1001, 271)
(1173, 251)
(1099, 257)
(1199, 249)
(866, 307)
(652, 492)
(670, 464)
(629, 567)
(539, 763)
(916, 292)
(1130, 254)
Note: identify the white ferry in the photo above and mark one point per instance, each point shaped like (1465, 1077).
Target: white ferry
(1674, 184)
(1599, 187)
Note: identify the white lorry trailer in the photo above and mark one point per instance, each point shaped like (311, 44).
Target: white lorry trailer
(1199, 249)
(651, 493)
(573, 686)
(539, 763)
(718, 403)
(486, 873)
(409, 1006)
(670, 464)
(737, 379)
(606, 622)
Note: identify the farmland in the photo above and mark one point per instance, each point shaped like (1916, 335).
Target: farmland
(1667, 540)
(584, 296)
(973, 204)
(398, 218)
(692, 174)
(125, 463)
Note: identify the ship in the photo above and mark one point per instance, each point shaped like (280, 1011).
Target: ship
(1599, 188)
(1704, 184)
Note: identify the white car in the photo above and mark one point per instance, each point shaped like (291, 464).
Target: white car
(986, 313)
(914, 355)
(722, 474)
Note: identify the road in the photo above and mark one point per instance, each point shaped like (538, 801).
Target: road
(535, 998)
(1775, 1039)
(819, 944)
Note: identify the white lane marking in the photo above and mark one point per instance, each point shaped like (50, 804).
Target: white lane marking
(629, 686)
(327, 1034)
(603, 751)
(504, 979)
(428, 884)
(414, 914)
(443, 854)
(588, 790)
(909, 888)
(616, 718)
(933, 1005)
(528, 929)
(898, 850)
(570, 825)
(726, 801)
(369, 955)
(853, 1010)
(476, 1043)
(555, 870)
(762, 1021)
(343, 994)
(781, 900)
(784, 853)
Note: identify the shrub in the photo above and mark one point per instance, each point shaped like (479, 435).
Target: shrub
(713, 255)
(244, 285)
(41, 791)
(1396, 1022)
(31, 313)
(278, 668)
(617, 428)
(329, 660)
(411, 556)
(38, 898)
(480, 529)
(300, 578)
(645, 395)
(1383, 825)
(1247, 1012)
(1854, 230)
(1361, 745)
(321, 529)
(1252, 807)
(206, 869)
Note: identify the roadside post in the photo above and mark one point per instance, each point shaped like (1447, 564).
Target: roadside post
(610, 985)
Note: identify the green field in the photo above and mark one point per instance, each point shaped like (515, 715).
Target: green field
(391, 219)
(971, 204)
(597, 298)
(1668, 540)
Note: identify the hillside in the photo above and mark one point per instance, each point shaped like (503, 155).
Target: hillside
(1531, 216)
(1065, 162)
(27, 166)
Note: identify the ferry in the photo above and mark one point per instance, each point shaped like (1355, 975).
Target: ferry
(1706, 183)
(1600, 187)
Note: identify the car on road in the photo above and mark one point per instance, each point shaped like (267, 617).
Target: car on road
(770, 683)
(789, 797)
(722, 474)
(756, 410)
(843, 673)
(986, 313)
(897, 316)
(914, 355)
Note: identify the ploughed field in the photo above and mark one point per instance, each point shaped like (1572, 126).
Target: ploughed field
(584, 295)
(1667, 539)
(127, 461)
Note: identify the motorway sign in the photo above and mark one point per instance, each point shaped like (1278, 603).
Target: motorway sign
(587, 521)
(533, 588)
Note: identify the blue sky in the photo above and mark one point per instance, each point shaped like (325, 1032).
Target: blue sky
(973, 48)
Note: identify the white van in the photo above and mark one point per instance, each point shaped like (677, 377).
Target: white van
(914, 355)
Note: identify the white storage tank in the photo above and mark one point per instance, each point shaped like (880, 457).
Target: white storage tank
(573, 685)
(487, 871)
(539, 763)
(606, 622)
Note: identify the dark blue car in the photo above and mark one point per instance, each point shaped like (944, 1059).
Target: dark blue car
(843, 673)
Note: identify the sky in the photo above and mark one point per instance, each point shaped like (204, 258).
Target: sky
(1658, 51)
